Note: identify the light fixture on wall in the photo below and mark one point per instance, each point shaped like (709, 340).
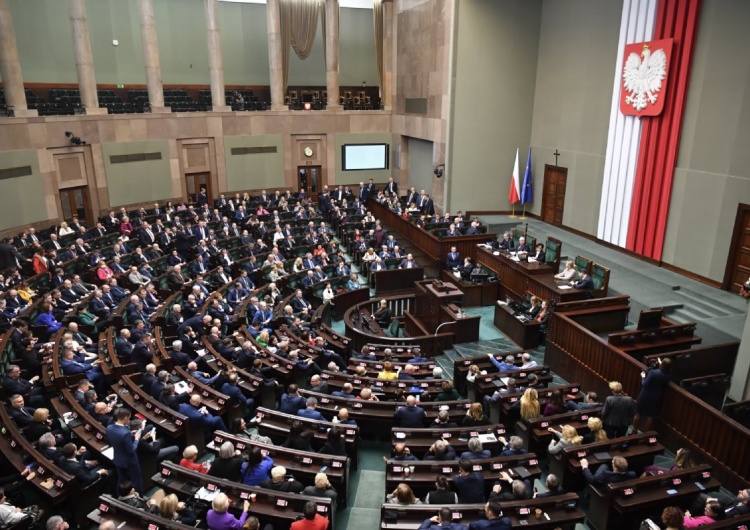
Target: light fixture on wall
(439, 171)
(75, 140)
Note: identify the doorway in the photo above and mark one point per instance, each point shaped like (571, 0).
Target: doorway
(76, 202)
(553, 196)
(196, 181)
(738, 263)
(308, 179)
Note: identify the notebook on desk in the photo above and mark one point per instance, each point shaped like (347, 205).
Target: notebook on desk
(521, 472)
(603, 456)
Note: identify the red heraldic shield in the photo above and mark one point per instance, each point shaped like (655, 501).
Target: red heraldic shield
(645, 74)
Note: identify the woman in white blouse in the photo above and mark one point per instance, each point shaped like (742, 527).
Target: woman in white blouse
(328, 293)
(568, 273)
(64, 229)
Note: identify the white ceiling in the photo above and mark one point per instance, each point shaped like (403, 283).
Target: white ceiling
(358, 4)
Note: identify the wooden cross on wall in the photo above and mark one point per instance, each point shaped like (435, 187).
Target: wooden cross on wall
(556, 154)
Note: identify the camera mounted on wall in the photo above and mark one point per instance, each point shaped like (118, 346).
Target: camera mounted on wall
(439, 171)
(75, 140)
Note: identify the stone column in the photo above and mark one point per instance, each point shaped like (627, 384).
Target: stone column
(275, 52)
(84, 58)
(388, 58)
(215, 61)
(151, 57)
(10, 67)
(332, 54)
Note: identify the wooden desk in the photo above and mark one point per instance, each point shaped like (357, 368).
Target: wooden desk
(474, 294)
(561, 511)
(422, 478)
(639, 450)
(184, 483)
(419, 441)
(394, 280)
(524, 333)
(518, 278)
(276, 425)
(126, 517)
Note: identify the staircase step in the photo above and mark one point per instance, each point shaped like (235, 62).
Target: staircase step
(710, 307)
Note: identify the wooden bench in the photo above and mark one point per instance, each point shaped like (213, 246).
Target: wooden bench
(639, 449)
(419, 441)
(127, 517)
(559, 511)
(652, 341)
(625, 504)
(270, 506)
(535, 435)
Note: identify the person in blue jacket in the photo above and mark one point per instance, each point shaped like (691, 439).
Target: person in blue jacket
(257, 468)
(125, 444)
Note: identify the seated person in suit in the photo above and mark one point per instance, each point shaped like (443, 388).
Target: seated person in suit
(585, 282)
(383, 314)
(200, 417)
(291, 401)
(83, 472)
(604, 476)
(469, 485)
(410, 416)
(309, 410)
(408, 263)
(539, 254)
(536, 306)
(522, 250)
(506, 243)
(21, 414)
(440, 450)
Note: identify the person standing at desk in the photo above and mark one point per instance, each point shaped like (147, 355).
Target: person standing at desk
(649, 400)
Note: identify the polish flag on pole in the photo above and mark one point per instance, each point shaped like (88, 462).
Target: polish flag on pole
(515, 186)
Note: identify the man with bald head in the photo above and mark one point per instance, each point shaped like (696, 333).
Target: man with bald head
(410, 416)
(343, 417)
(346, 392)
(198, 416)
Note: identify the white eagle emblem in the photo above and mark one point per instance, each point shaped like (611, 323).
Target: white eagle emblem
(642, 78)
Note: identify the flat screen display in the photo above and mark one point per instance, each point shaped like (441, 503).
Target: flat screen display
(360, 157)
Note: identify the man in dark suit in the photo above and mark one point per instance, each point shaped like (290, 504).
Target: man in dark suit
(410, 416)
(13, 384)
(20, 413)
(9, 256)
(495, 519)
(142, 353)
(309, 411)
(177, 355)
(585, 282)
(362, 194)
(428, 207)
(231, 389)
(604, 475)
(70, 464)
(443, 521)
(408, 263)
(469, 484)
(453, 261)
(199, 417)
(391, 188)
(291, 402)
(522, 246)
(125, 445)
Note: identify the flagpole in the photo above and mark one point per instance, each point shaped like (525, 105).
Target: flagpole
(513, 215)
(523, 215)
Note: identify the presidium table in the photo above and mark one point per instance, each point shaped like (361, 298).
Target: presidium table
(518, 279)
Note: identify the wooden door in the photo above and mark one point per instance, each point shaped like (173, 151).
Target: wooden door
(553, 197)
(308, 179)
(197, 181)
(76, 201)
(738, 264)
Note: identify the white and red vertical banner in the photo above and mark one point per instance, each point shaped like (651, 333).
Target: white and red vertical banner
(621, 158)
(657, 38)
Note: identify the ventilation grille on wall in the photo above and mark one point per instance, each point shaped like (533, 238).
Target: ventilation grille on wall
(253, 150)
(135, 157)
(15, 172)
(416, 105)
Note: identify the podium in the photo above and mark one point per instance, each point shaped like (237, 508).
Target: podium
(437, 303)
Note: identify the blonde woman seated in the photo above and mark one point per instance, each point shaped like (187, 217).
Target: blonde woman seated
(402, 495)
(171, 508)
(569, 437)
(568, 273)
(596, 431)
(298, 266)
(530, 405)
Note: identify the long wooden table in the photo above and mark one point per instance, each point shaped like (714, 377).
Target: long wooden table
(431, 245)
(519, 277)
